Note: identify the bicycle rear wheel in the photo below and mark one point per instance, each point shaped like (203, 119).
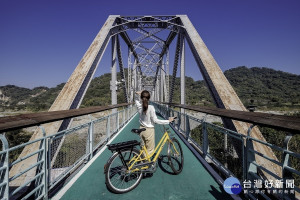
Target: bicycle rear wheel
(175, 156)
(117, 178)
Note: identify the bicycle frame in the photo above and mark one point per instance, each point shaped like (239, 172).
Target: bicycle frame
(144, 151)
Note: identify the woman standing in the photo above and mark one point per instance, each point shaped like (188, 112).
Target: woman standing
(147, 120)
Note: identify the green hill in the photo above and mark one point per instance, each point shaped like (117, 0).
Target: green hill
(270, 89)
(267, 87)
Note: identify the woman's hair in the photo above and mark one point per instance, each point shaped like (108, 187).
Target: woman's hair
(145, 96)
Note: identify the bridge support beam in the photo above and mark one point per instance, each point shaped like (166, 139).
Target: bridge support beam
(162, 82)
(113, 82)
(121, 67)
(223, 93)
(130, 77)
(182, 71)
(167, 87)
(177, 54)
(70, 97)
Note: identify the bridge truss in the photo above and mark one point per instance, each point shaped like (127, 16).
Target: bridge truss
(148, 39)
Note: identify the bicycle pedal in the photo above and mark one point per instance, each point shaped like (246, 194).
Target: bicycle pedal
(154, 167)
(148, 174)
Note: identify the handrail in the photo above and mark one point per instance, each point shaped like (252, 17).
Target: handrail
(287, 123)
(33, 119)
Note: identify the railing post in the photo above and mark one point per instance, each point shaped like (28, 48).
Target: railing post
(5, 165)
(127, 109)
(179, 120)
(250, 157)
(117, 122)
(108, 127)
(123, 121)
(187, 127)
(49, 161)
(90, 141)
(45, 165)
(286, 174)
(205, 139)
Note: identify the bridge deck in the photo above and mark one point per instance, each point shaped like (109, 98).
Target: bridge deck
(194, 182)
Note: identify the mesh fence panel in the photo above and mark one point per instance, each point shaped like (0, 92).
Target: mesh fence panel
(68, 150)
(132, 110)
(196, 132)
(221, 147)
(182, 123)
(121, 118)
(113, 123)
(100, 131)
(177, 122)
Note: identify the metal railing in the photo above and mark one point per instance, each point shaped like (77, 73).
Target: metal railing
(78, 145)
(215, 144)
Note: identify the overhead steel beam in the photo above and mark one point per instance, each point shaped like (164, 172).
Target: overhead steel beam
(140, 17)
(169, 40)
(147, 50)
(145, 35)
(127, 40)
(148, 34)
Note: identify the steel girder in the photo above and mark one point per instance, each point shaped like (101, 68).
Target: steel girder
(70, 97)
(223, 93)
(156, 87)
(177, 54)
(166, 86)
(113, 82)
(182, 71)
(130, 78)
(149, 58)
(122, 73)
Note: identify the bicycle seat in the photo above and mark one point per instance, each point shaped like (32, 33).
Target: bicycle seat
(138, 131)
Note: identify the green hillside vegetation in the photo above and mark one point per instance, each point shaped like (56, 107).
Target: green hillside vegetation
(37, 99)
(99, 94)
(270, 90)
(19, 97)
(45, 99)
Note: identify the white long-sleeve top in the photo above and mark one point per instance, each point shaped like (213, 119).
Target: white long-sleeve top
(149, 119)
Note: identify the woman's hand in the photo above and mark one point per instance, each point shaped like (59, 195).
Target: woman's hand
(139, 93)
(171, 119)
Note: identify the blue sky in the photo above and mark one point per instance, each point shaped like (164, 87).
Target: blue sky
(41, 42)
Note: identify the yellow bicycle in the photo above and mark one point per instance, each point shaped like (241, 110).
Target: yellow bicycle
(125, 168)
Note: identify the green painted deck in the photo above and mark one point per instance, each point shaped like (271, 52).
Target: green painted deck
(194, 182)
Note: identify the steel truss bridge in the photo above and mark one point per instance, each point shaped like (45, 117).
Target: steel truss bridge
(64, 150)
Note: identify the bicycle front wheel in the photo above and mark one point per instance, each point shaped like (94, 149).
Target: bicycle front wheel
(117, 178)
(175, 156)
